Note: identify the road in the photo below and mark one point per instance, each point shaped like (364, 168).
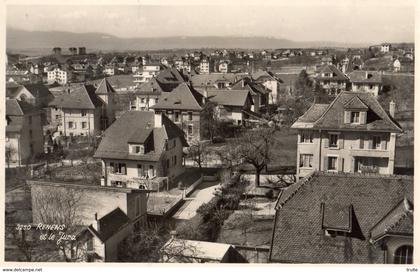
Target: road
(203, 194)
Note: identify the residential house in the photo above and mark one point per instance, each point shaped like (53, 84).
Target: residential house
(232, 105)
(385, 47)
(147, 95)
(332, 80)
(107, 94)
(205, 66)
(345, 218)
(366, 81)
(102, 227)
(396, 65)
(141, 148)
(56, 74)
(219, 81)
(145, 74)
(24, 137)
(353, 134)
(258, 92)
(270, 81)
(183, 106)
(109, 70)
(190, 251)
(224, 67)
(35, 94)
(78, 112)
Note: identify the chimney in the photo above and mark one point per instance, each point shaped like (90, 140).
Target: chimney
(158, 119)
(392, 108)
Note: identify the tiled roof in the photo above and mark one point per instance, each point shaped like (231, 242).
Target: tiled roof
(83, 97)
(128, 127)
(260, 74)
(365, 77)
(398, 221)
(356, 103)
(252, 87)
(15, 107)
(151, 87)
(170, 75)
(201, 80)
(110, 224)
(104, 87)
(332, 117)
(236, 98)
(337, 74)
(298, 236)
(182, 97)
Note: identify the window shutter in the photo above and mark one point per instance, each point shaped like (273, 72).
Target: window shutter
(111, 167)
(341, 141)
(299, 138)
(340, 164)
(123, 170)
(361, 142)
(353, 166)
(325, 163)
(383, 144)
(327, 141)
(370, 144)
(363, 116)
(346, 117)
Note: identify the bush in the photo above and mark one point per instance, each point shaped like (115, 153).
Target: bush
(218, 139)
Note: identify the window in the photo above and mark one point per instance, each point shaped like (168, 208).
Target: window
(57, 116)
(306, 137)
(72, 125)
(176, 116)
(89, 244)
(83, 113)
(306, 160)
(190, 130)
(152, 172)
(376, 142)
(190, 116)
(156, 100)
(84, 125)
(142, 100)
(403, 255)
(332, 163)
(119, 168)
(30, 120)
(174, 160)
(140, 171)
(371, 87)
(30, 133)
(333, 140)
(355, 117)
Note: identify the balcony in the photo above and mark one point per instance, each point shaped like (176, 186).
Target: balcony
(154, 183)
(377, 153)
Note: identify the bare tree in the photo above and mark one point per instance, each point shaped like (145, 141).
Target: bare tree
(197, 152)
(255, 147)
(61, 206)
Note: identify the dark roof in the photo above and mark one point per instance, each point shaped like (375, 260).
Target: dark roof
(135, 126)
(298, 236)
(332, 117)
(151, 87)
(83, 97)
(201, 80)
(337, 74)
(16, 107)
(397, 221)
(365, 77)
(11, 91)
(110, 224)
(237, 98)
(104, 87)
(253, 87)
(170, 75)
(182, 97)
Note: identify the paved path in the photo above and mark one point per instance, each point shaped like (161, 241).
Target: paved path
(203, 194)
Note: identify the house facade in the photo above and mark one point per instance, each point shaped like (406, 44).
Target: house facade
(57, 75)
(24, 136)
(183, 106)
(353, 134)
(332, 80)
(268, 80)
(141, 149)
(78, 112)
(366, 81)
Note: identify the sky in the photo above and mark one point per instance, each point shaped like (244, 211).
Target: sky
(350, 21)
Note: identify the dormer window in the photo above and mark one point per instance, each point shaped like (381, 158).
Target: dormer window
(137, 149)
(355, 117)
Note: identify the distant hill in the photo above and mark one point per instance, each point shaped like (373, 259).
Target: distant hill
(21, 40)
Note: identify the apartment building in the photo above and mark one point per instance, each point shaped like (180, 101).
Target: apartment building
(353, 134)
